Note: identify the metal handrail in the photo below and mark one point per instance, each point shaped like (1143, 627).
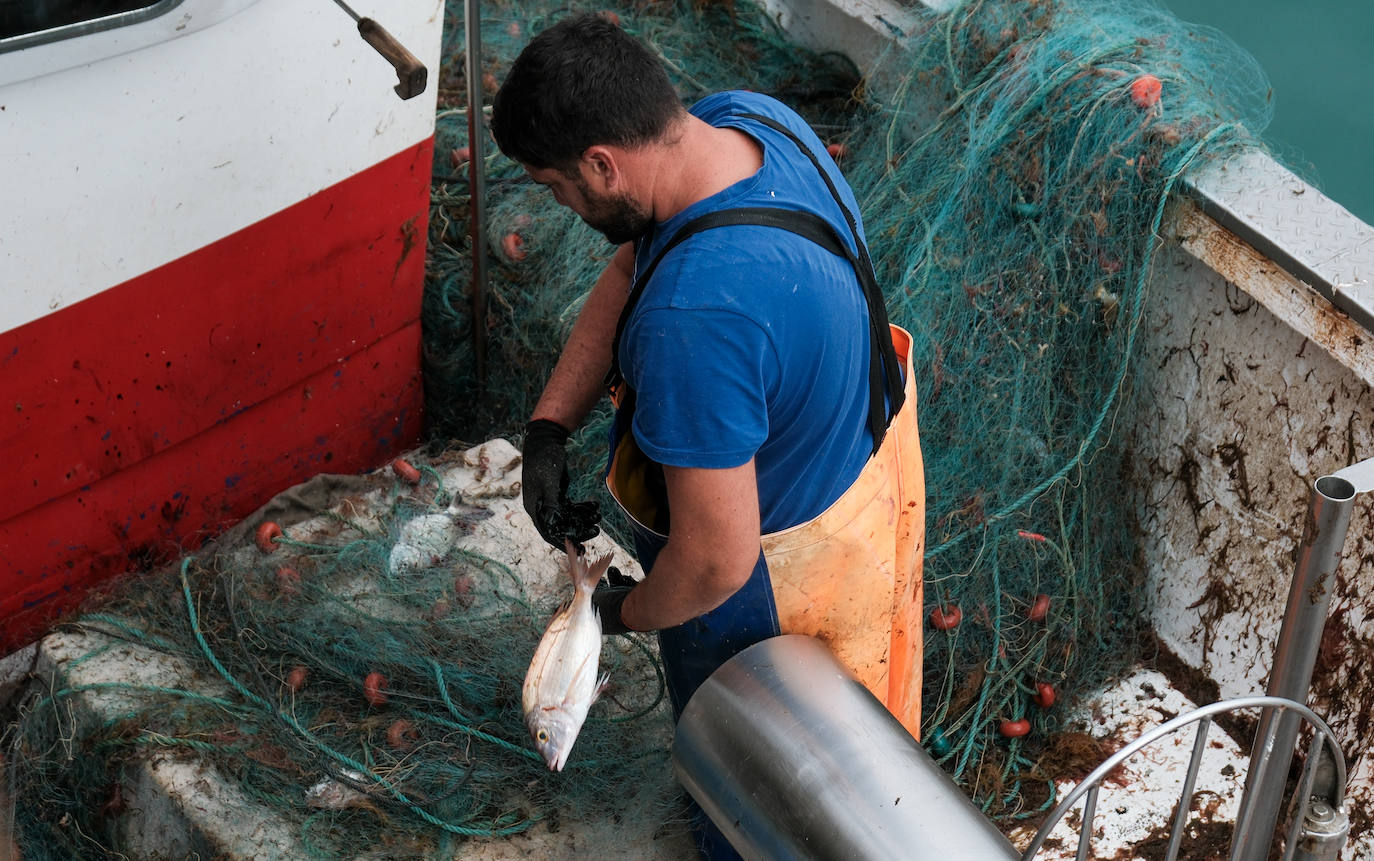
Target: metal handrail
(1090, 785)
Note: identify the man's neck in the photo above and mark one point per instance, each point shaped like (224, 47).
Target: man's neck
(698, 161)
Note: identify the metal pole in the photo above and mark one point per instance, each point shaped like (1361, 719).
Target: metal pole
(477, 190)
(1295, 655)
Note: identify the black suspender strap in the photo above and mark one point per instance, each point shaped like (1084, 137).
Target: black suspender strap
(890, 371)
(883, 365)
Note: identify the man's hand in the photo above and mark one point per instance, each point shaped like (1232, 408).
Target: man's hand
(608, 598)
(544, 487)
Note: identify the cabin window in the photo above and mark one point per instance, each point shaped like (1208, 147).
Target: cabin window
(33, 22)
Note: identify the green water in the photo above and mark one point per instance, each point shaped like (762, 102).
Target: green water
(1319, 55)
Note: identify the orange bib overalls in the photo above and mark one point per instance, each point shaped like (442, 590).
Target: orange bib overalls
(851, 577)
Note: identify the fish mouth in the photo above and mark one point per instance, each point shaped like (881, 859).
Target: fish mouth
(555, 758)
(549, 752)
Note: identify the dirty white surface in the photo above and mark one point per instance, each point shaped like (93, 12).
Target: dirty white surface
(180, 807)
(1137, 801)
(1240, 415)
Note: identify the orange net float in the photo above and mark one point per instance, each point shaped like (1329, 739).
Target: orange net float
(402, 734)
(404, 471)
(295, 680)
(946, 619)
(266, 536)
(514, 246)
(288, 581)
(1145, 91)
(374, 688)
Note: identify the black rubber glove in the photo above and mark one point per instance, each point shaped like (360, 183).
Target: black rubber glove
(609, 596)
(544, 488)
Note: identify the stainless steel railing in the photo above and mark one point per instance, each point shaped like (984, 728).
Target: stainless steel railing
(1316, 832)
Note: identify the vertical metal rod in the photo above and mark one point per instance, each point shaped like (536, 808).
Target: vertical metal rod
(1304, 791)
(1261, 758)
(1185, 801)
(477, 188)
(1085, 830)
(1295, 655)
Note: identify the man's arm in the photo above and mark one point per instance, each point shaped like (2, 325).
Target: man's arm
(576, 382)
(711, 549)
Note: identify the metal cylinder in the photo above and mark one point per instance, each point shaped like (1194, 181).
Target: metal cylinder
(1295, 656)
(1324, 830)
(792, 757)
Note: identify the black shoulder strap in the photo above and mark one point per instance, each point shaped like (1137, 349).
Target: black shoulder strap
(884, 352)
(883, 365)
(805, 224)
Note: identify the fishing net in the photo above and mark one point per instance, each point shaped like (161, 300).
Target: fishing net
(1014, 235)
(1013, 161)
(357, 674)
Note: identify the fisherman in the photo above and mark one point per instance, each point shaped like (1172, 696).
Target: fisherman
(762, 400)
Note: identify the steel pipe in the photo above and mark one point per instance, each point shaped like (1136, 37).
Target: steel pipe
(1295, 656)
(477, 187)
(792, 757)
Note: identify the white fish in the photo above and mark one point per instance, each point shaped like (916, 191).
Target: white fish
(425, 540)
(561, 683)
(335, 795)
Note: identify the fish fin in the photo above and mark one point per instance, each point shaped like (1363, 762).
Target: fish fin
(593, 573)
(601, 685)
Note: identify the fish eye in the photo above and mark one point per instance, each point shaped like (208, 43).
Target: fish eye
(542, 736)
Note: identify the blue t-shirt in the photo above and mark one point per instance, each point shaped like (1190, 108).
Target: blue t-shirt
(751, 341)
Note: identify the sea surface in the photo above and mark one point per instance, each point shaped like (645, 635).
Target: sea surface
(1319, 55)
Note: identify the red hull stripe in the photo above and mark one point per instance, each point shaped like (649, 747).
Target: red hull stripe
(157, 413)
(97, 387)
(354, 415)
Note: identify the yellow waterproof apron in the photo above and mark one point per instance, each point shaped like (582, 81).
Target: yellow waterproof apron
(852, 576)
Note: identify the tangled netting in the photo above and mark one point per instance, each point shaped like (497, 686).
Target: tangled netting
(1014, 161)
(358, 674)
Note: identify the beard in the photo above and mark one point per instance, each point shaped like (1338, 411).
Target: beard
(616, 217)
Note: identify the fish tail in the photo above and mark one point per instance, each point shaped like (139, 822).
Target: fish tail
(585, 576)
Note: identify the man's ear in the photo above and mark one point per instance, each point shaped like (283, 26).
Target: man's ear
(603, 167)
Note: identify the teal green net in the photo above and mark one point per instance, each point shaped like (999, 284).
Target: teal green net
(1014, 234)
(366, 701)
(1014, 162)
(1014, 172)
